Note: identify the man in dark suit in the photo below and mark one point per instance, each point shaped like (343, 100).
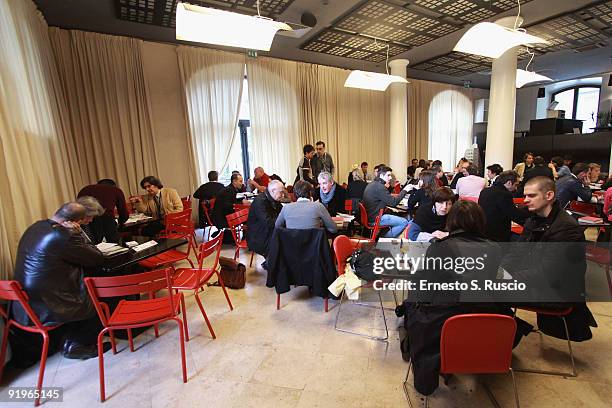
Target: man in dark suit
(262, 216)
(500, 211)
(224, 204)
(110, 197)
(207, 192)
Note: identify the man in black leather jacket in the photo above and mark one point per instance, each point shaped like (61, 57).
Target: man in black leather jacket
(51, 259)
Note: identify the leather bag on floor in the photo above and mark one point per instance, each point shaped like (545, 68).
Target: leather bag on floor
(233, 273)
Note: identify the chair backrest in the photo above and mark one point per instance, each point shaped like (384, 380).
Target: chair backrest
(238, 207)
(469, 198)
(364, 221)
(209, 247)
(186, 201)
(207, 206)
(115, 286)
(348, 206)
(237, 223)
(363, 216)
(397, 188)
(477, 343)
(12, 290)
(590, 209)
(518, 201)
(343, 248)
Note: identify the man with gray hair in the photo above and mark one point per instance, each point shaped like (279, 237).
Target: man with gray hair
(93, 227)
(51, 260)
(262, 216)
(331, 195)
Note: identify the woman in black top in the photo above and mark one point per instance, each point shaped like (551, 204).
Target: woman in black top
(422, 196)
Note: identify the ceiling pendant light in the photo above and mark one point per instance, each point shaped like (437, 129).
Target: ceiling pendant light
(212, 26)
(373, 81)
(492, 40)
(524, 77)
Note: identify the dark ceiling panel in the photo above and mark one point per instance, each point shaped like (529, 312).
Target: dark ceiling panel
(467, 11)
(163, 12)
(583, 29)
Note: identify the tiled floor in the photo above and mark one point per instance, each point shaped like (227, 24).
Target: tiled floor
(294, 358)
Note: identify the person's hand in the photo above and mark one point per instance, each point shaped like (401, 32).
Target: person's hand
(551, 166)
(439, 234)
(409, 187)
(135, 199)
(71, 225)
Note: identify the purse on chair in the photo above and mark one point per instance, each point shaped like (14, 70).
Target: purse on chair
(233, 273)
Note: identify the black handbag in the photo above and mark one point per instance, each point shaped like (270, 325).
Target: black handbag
(362, 261)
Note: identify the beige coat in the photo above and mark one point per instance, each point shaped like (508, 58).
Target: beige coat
(170, 201)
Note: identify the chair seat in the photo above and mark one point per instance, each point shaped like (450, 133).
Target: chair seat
(141, 311)
(165, 258)
(598, 254)
(186, 278)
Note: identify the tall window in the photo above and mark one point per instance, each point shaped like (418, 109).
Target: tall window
(241, 155)
(581, 103)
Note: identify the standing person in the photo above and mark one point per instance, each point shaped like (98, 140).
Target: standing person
(576, 185)
(525, 165)
(331, 195)
(499, 209)
(304, 170)
(364, 174)
(472, 184)
(52, 257)
(110, 197)
(158, 202)
(377, 197)
(493, 171)
(260, 181)
(262, 216)
(322, 161)
(207, 192)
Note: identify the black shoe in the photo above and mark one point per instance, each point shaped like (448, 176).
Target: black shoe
(79, 351)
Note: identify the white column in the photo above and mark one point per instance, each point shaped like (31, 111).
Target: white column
(502, 104)
(398, 121)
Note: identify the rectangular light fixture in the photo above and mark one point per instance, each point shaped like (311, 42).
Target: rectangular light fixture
(492, 40)
(212, 26)
(527, 77)
(372, 80)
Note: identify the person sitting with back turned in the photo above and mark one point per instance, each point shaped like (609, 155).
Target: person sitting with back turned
(472, 184)
(158, 202)
(430, 220)
(262, 216)
(110, 197)
(52, 258)
(260, 181)
(331, 195)
(376, 197)
(576, 185)
(499, 209)
(304, 213)
(207, 192)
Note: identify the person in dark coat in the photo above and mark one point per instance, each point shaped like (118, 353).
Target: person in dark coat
(498, 206)
(330, 194)
(427, 185)
(425, 312)
(110, 197)
(460, 171)
(52, 258)
(225, 200)
(576, 185)
(554, 263)
(207, 192)
(539, 169)
(262, 216)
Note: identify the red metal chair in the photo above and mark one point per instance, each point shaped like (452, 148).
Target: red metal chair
(207, 207)
(476, 344)
(397, 188)
(343, 248)
(131, 314)
(186, 202)
(519, 201)
(239, 207)
(195, 279)
(364, 222)
(348, 206)
(12, 291)
(561, 314)
(178, 226)
(237, 225)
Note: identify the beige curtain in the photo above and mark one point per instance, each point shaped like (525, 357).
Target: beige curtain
(110, 111)
(273, 106)
(353, 123)
(35, 152)
(420, 97)
(212, 81)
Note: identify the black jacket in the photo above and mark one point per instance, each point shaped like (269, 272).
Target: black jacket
(356, 189)
(224, 205)
(419, 197)
(569, 188)
(535, 171)
(456, 177)
(336, 205)
(300, 258)
(377, 197)
(500, 211)
(260, 224)
(50, 266)
(206, 191)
